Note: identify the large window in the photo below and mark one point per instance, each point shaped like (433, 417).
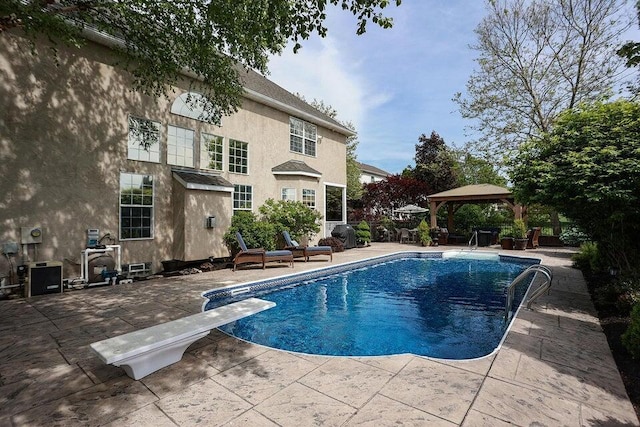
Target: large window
(144, 140)
(211, 156)
(309, 198)
(238, 157)
(289, 194)
(136, 206)
(242, 197)
(302, 137)
(179, 146)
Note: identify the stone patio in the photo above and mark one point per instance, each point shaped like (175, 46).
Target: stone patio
(555, 367)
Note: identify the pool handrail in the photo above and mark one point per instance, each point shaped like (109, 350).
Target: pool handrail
(536, 268)
(473, 236)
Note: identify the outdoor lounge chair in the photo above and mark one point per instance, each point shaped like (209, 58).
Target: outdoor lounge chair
(305, 251)
(532, 237)
(259, 255)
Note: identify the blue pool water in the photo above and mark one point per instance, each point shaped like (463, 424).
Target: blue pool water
(446, 308)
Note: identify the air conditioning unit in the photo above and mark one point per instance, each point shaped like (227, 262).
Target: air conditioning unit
(44, 278)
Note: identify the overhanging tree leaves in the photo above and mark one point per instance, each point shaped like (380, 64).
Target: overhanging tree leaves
(536, 59)
(209, 37)
(588, 168)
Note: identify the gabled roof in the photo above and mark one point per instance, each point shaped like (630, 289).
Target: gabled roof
(296, 167)
(473, 192)
(202, 181)
(372, 170)
(263, 90)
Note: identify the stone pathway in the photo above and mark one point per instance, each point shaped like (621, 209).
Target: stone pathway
(555, 367)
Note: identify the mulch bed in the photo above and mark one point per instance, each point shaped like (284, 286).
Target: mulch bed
(614, 325)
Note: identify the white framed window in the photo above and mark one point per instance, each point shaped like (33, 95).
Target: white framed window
(289, 194)
(309, 198)
(238, 157)
(211, 152)
(242, 197)
(303, 137)
(180, 146)
(136, 206)
(144, 140)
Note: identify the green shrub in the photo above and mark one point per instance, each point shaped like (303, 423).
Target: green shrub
(363, 232)
(588, 257)
(256, 234)
(424, 233)
(631, 338)
(295, 217)
(573, 236)
(507, 232)
(519, 229)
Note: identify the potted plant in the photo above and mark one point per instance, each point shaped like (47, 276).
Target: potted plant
(506, 240)
(424, 233)
(363, 233)
(519, 235)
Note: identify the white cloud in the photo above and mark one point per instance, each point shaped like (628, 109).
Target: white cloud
(321, 71)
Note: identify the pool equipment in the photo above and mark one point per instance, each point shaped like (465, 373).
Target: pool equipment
(100, 265)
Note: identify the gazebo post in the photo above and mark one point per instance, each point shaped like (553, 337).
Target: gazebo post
(432, 213)
(450, 212)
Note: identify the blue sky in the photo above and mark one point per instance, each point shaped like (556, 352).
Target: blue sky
(393, 84)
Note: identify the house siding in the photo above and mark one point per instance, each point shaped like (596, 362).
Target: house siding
(63, 145)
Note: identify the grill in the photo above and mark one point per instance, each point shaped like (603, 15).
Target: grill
(346, 234)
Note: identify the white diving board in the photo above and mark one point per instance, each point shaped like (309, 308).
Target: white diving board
(143, 352)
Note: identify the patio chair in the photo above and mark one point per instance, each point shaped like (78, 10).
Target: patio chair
(404, 235)
(532, 238)
(305, 251)
(259, 255)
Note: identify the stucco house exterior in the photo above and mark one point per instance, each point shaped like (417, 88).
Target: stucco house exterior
(370, 173)
(71, 160)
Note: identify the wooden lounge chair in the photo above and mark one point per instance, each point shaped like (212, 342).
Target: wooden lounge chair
(532, 237)
(305, 251)
(259, 255)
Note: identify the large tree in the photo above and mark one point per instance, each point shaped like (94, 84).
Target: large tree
(537, 58)
(395, 191)
(213, 39)
(435, 163)
(471, 170)
(588, 168)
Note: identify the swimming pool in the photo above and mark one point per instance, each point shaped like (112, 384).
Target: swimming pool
(447, 305)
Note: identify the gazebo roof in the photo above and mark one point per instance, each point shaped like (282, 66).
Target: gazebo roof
(473, 192)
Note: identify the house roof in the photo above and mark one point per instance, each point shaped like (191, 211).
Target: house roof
(202, 181)
(261, 89)
(473, 192)
(295, 167)
(256, 86)
(372, 170)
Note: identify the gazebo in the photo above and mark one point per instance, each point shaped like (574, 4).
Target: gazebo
(478, 193)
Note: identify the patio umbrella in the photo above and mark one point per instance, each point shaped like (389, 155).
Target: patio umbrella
(411, 209)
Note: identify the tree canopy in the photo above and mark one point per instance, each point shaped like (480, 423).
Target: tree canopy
(588, 168)
(395, 191)
(435, 163)
(535, 60)
(213, 39)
